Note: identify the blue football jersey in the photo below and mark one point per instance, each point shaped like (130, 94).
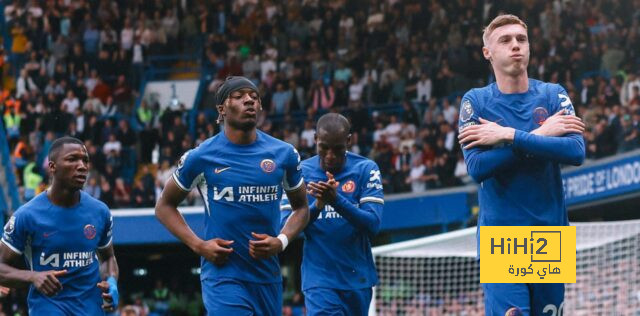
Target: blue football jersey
(337, 250)
(51, 237)
(241, 186)
(520, 183)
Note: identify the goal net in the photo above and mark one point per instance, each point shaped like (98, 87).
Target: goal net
(439, 275)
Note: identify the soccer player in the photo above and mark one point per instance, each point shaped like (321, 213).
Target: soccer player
(346, 202)
(515, 134)
(59, 232)
(240, 174)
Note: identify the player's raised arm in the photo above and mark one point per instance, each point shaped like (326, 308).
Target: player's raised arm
(367, 216)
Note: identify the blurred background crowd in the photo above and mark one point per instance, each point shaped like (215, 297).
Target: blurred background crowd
(396, 68)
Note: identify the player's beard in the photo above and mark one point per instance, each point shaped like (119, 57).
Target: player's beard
(242, 126)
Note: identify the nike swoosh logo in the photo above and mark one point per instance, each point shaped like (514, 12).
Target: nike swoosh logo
(218, 170)
(47, 235)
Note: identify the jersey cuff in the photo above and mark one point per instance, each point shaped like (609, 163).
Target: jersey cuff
(179, 184)
(289, 189)
(14, 249)
(371, 199)
(517, 139)
(107, 245)
(285, 207)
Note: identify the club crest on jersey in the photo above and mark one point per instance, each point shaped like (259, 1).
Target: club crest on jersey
(268, 165)
(466, 111)
(540, 115)
(349, 186)
(89, 231)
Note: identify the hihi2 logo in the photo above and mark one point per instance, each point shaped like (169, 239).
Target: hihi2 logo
(537, 246)
(552, 241)
(527, 254)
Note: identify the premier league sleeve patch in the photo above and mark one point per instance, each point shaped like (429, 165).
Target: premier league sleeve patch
(183, 158)
(466, 111)
(13, 235)
(565, 104)
(10, 226)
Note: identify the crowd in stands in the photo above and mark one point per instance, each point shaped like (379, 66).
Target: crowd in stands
(396, 68)
(74, 68)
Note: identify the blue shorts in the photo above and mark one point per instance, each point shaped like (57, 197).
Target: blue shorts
(325, 302)
(55, 310)
(240, 298)
(535, 299)
(88, 303)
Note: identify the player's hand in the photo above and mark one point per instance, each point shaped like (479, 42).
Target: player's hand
(312, 188)
(46, 282)
(324, 192)
(107, 300)
(330, 179)
(264, 246)
(216, 250)
(560, 125)
(486, 133)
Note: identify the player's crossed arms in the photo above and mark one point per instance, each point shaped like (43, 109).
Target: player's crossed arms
(489, 133)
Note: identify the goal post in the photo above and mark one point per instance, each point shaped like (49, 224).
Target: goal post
(439, 275)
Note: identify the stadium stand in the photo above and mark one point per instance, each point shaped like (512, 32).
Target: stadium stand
(396, 68)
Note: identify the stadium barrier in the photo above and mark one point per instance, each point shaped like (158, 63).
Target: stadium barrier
(440, 207)
(140, 226)
(602, 180)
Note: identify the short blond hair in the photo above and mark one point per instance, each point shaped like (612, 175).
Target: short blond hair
(500, 20)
